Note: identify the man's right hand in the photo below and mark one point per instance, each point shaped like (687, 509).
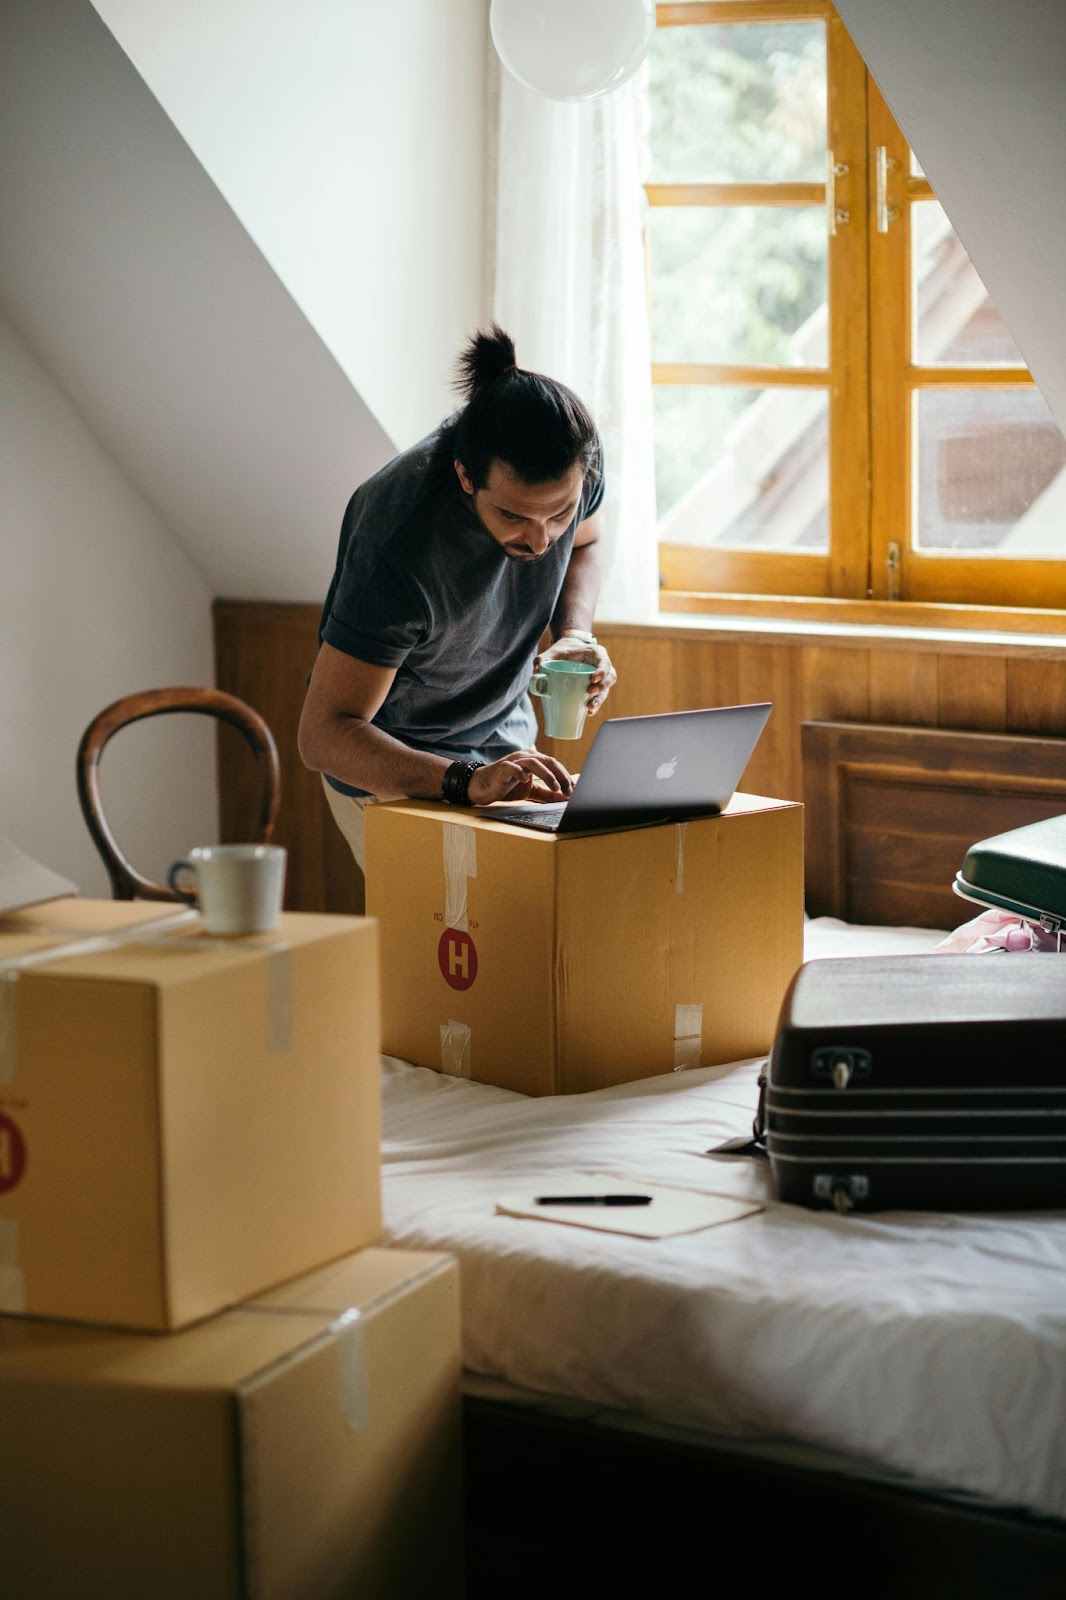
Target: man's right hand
(523, 775)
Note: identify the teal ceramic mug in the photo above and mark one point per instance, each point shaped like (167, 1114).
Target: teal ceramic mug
(563, 686)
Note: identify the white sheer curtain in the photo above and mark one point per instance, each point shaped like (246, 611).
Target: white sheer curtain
(567, 282)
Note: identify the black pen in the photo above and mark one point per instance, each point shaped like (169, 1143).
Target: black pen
(593, 1200)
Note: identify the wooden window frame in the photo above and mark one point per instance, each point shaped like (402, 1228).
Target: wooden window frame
(871, 569)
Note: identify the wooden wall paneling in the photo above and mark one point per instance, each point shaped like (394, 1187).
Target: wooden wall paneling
(836, 685)
(263, 653)
(774, 673)
(892, 812)
(823, 836)
(972, 692)
(1036, 696)
(903, 687)
(705, 672)
(645, 676)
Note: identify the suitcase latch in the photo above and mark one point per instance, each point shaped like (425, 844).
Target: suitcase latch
(842, 1190)
(841, 1064)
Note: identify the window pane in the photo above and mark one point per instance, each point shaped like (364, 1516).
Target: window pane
(739, 283)
(743, 102)
(742, 468)
(955, 323)
(989, 472)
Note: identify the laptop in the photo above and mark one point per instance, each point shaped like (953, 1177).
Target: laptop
(641, 771)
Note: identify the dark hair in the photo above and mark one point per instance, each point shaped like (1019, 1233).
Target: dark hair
(537, 426)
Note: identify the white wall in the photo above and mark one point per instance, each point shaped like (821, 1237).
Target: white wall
(348, 136)
(182, 417)
(96, 600)
(127, 272)
(979, 90)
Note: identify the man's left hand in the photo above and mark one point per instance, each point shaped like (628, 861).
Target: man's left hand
(603, 679)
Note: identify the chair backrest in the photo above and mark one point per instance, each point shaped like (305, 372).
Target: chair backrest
(126, 882)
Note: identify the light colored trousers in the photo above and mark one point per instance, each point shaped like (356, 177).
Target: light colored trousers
(348, 813)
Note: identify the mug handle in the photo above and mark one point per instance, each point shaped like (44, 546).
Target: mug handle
(188, 895)
(538, 685)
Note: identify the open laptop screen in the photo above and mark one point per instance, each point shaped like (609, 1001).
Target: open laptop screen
(652, 769)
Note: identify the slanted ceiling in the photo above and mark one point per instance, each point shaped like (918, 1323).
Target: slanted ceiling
(139, 290)
(979, 90)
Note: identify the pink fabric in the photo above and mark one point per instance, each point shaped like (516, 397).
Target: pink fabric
(996, 930)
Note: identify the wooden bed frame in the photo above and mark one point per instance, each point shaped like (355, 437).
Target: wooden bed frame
(559, 1508)
(891, 811)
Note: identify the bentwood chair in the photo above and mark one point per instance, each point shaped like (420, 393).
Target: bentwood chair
(126, 882)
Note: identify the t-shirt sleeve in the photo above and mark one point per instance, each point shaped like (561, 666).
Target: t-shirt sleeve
(594, 485)
(378, 614)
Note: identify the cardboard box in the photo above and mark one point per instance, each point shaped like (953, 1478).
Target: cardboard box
(184, 1121)
(555, 964)
(304, 1446)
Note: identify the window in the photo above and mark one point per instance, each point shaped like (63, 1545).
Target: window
(839, 410)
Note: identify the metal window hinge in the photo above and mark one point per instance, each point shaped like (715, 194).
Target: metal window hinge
(894, 563)
(833, 170)
(883, 165)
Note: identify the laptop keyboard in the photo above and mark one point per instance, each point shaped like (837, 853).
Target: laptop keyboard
(545, 818)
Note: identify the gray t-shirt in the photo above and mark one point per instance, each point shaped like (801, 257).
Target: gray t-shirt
(422, 586)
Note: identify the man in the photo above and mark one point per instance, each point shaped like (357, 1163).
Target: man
(454, 560)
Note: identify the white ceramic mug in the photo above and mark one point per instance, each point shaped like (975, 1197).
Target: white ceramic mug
(238, 887)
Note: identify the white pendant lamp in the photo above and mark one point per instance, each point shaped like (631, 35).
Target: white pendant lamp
(572, 49)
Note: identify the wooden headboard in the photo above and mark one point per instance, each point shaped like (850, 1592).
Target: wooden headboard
(891, 811)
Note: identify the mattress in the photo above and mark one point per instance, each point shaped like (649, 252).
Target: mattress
(927, 1346)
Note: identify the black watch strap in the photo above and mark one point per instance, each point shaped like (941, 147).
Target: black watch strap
(455, 785)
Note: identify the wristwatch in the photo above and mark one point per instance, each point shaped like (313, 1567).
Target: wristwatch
(578, 633)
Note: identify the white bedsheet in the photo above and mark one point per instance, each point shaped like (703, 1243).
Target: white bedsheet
(931, 1345)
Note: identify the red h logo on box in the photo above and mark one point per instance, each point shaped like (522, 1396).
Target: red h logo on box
(12, 1153)
(457, 958)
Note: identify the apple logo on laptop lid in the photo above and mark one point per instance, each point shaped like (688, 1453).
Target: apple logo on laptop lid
(666, 769)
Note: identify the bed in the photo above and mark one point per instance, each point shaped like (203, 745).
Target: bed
(888, 1392)
(794, 1402)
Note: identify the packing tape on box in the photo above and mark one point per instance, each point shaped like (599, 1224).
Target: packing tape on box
(279, 999)
(104, 939)
(455, 1049)
(679, 859)
(346, 1335)
(85, 945)
(12, 1283)
(688, 1036)
(279, 976)
(460, 863)
(279, 983)
(350, 1332)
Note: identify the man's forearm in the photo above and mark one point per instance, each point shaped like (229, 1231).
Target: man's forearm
(581, 588)
(359, 753)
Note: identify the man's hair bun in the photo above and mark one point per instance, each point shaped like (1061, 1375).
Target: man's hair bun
(534, 424)
(485, 358)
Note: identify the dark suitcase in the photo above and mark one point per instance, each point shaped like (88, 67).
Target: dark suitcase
(1023, 870)
(927, 1082)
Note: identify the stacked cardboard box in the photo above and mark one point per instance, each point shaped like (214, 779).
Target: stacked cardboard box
(553, 964)
(185, 1124)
